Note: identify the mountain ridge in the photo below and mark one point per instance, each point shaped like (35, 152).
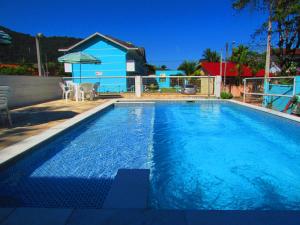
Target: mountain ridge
(23, 49)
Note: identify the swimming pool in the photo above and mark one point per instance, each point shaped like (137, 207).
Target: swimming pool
(201, 155)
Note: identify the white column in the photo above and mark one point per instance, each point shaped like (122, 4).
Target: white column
(218, 83)
(138, 86)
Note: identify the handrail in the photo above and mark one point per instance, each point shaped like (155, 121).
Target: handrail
(263, 78)
(268, 79)
(132, 77)
(263, 94)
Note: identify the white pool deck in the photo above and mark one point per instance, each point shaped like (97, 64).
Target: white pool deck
(127, 201)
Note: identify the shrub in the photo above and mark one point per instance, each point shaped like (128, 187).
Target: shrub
(226, 95)
(153, 87)
(16, 70)
(168, 90)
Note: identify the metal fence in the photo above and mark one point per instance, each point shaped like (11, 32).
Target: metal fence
(109, 84)
(272, 92)
(203, 85)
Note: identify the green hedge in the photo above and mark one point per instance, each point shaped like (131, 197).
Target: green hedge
(18, 70)
(226, 95)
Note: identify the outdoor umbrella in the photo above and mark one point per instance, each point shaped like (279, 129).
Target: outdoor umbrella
(4, 38)
(78, 58)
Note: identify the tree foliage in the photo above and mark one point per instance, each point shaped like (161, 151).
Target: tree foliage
(189, 67)
(240, 56)
(243, 56)
(285, 18)
(210, 56)
(22, 51)
(162, 67)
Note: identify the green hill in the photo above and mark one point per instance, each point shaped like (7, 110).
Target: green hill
(23, 50)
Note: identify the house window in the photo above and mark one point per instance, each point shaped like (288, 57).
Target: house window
(162, 80)
(130, 66)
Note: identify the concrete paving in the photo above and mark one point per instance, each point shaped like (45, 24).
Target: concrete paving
(32, 120)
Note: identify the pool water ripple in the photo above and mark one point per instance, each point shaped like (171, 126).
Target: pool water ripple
(202, 155)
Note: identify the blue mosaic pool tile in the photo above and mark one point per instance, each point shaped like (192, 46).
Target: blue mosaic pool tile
(77, 169)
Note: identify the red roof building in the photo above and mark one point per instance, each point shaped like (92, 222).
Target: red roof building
(213, 69)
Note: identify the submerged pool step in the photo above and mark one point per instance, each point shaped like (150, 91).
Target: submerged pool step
(129, 190)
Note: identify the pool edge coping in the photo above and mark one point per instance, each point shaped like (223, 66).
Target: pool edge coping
(12, 151)
(266, 110)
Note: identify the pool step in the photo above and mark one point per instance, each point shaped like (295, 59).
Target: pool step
(129, 190)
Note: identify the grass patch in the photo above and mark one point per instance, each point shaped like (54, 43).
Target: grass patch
(168, 90)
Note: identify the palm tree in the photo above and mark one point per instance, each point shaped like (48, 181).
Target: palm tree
(256, 4)
(189, 67)
(210, 56)
(163, 67)
(267, 5)
(240, 56)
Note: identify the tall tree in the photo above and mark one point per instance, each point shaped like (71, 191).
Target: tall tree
(210, 56)
(284, 19)
(163, 67)
(189, 67)
(243, 56)
(240, 56)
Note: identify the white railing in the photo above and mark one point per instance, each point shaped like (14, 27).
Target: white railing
(204, 85)
(266, 82)
(108, 84)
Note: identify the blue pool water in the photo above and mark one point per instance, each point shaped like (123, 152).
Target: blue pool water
(203, 155)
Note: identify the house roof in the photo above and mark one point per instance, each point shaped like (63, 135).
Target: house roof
(123, 44)
(213, 69)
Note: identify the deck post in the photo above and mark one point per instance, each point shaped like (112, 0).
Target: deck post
(244, 96)
(296, 85)
(218, 83)
(138, 86)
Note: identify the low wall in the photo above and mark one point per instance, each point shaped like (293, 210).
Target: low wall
(27, 90)
(235, 90)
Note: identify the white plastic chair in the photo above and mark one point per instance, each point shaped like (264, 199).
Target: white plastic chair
(78, 93)
(66, 91)
(4, 92)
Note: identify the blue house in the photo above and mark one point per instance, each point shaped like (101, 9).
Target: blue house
(117, 58)
(164, 80)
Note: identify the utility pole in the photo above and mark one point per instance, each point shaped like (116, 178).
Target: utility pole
(232, 47)
(221, 62)
(268, 53)
(226, 58)
(38, 53)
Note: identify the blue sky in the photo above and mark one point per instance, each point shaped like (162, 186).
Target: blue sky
(171, 31)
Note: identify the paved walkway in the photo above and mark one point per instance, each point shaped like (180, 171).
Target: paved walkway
(31, 120)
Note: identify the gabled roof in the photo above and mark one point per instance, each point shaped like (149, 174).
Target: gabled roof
(123, 44)
(213, 69)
